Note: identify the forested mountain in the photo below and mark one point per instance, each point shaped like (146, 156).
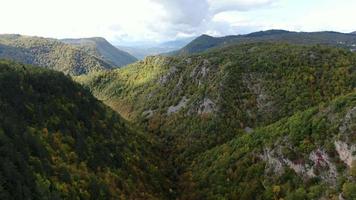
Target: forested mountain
(103, 49)
(71, 56)
(50, 53)
(310, 155)
(206, 42)
(220, 115)
(58, 142)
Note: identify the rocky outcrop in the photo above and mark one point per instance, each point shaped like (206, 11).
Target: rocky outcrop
(147, 114)
(254, 83)
(200, 73)
(248, 129)
(182, 103)
(322, 164)
(201, 70)
(167, 77)
(349, 119)
(207, 106)
(318, 161)
(346, 152)
(274, 164)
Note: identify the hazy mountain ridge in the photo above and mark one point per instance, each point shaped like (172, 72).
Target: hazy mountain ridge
(71, 56)
(103, 49)
(50, 53)
(163, 48)
(206, 42)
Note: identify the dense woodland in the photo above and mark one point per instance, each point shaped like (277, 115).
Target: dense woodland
(101, 48)
(58, 142)
(199, 103)
(244, 121)
(60, 56)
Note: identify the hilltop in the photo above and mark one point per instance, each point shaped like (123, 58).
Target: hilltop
(206, 42)
(103, 49)
(73, 57)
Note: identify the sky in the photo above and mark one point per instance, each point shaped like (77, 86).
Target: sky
(152, 21)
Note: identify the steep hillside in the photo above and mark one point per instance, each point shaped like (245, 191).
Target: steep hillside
(310, 155)
(198, 102)
(103, 49)
(206, 42)
(50, 53)
(58, 142)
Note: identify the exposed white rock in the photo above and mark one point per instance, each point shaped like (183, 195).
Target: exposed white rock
(182, 103)
(349, 118)
(200, 71)
(345, 152)
(273, 164)
(206, 107)
(248, 129)
(322, 161)
(147, 114)
(188, 61)
(298, 168)
(254, 83)
(276, 163)
(165, 78)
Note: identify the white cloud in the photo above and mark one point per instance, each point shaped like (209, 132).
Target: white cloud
(339, 17)
(157, 20)
(217, 6)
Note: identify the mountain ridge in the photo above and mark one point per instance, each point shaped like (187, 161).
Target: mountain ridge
(49, 53)
(71, 56)
(205, 42)
(100, 47)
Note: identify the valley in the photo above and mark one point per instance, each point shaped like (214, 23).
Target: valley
(269, 116)
(200, 105)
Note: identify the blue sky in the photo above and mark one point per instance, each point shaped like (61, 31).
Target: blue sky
(150, 21)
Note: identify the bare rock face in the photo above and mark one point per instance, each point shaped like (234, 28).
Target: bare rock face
(182, 103)
(345, 152)
(274, 164)
(348, 120)
(147, 114)
(248, 129)
(200, 72)
(165, 78)
(206, 107)
(254, 83)
(318, 162)
(323, 164)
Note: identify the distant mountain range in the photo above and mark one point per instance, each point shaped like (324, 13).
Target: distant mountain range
(141, 52)
(205, 42)
(103, 49)
(72, 57)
